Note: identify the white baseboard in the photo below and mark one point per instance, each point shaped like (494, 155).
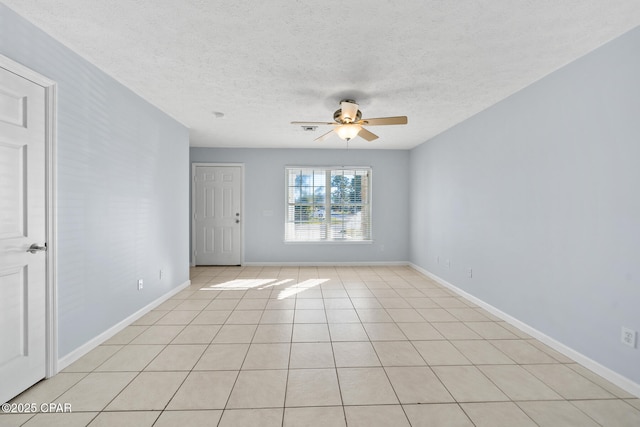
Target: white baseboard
(76, 354)
(326, 264)
(623, 382)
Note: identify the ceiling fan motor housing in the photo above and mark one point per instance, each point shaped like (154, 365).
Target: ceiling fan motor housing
(348, 112)
(338, 117)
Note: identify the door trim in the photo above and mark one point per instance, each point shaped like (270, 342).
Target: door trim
(193, 207)
(51, 287)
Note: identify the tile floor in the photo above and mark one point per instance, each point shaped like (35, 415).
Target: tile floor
(370, 346)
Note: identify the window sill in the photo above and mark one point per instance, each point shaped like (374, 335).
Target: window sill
(328, 242)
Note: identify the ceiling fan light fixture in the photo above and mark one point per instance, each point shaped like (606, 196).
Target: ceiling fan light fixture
(348, 131)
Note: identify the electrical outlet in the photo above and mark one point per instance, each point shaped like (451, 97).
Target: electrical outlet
(438, 260)
(160, 275)
(140, 284)
(448, 264)
(628, 337)
(469, 273)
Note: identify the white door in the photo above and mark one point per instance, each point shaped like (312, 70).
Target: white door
(22, 224)
(217, 215)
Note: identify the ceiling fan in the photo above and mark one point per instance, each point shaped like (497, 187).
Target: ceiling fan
(349, 123)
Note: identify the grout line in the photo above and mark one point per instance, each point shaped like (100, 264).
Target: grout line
(286, 383)
(333, 354)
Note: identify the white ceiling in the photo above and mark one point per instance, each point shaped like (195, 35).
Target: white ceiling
(266, 63)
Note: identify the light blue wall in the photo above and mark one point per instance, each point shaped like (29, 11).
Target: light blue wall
(265, 191)
(122, 199)
(539, 196)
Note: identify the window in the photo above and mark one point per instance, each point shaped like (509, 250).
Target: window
(328, 204)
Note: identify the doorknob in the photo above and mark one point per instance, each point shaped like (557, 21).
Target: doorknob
(36, 248)
(237, 221)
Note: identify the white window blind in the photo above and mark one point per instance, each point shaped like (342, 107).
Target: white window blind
(328, 204)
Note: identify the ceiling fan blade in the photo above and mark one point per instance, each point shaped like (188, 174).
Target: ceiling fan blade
(314, 123)
(398, 120)
(325, 136)
(367, 135)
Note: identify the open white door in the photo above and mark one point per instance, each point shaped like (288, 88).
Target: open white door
(217, 227)
(23, 333)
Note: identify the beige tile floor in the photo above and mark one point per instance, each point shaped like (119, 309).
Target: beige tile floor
(366, 346)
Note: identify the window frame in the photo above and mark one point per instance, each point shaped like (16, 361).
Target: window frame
(328, 170)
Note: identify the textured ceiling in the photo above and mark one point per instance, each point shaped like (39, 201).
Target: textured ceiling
(264, 64)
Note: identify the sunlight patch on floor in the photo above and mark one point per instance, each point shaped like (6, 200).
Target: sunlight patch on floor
(300, 287)
(260, 284)
(239, 284)
(281, 282)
